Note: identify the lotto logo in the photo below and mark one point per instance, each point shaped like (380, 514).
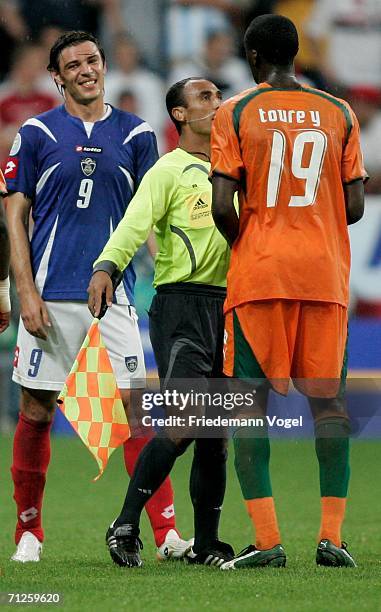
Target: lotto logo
(29, 514)
(11, 168)
(168, 512)
(85, 149)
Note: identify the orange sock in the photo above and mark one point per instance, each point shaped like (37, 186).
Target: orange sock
(265, 523)
(332, 517)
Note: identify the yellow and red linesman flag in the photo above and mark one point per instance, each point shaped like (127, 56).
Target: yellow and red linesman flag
(91, 402)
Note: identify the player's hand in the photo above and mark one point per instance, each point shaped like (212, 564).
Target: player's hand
(100, 292)
(4, 320)
(34, 314)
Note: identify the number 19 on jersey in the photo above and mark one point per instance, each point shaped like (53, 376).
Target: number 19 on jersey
(309, 173)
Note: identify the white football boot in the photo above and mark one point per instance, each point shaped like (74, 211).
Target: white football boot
(28, 549)
(173, 547)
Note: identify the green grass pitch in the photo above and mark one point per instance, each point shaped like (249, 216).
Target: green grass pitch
(76, 562)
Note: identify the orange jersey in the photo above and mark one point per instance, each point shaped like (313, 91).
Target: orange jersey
(291, 151)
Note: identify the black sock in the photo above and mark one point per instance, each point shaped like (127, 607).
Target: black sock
(152, 467)
(207, 489)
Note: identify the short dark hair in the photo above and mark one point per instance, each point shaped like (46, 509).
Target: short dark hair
(175, 97)
(274, 37)
(69, 39)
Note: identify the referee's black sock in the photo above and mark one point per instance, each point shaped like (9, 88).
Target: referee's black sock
(207, 489)
(152, 467)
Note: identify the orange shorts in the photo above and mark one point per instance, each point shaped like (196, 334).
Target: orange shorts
(283, 339)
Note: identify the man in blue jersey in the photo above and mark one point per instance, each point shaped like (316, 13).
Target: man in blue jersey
(5, 304)
(75, 168)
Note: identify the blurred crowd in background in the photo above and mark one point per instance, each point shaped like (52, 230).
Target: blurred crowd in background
(150, 44)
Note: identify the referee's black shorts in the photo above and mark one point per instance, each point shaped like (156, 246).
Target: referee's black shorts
(186, 324)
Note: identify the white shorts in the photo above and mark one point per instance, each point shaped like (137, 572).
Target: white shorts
(45, 364)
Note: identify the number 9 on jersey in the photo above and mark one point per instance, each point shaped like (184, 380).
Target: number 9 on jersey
(84, 193)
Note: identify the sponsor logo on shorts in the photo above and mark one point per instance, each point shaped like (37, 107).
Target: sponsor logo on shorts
(88, 166)
(131, 363)
(16, 357)
(11, 168)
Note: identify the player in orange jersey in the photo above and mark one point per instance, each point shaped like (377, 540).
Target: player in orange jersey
(293, 154)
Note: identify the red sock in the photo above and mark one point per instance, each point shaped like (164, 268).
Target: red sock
(160, 508)
(31, 456)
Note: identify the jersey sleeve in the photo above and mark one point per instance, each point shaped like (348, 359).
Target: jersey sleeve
(21, 169)
(352, 165)
(146, 208)
(145, 148)
(225, 150)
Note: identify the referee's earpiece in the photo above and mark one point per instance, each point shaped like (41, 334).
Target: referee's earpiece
(179, 114)
(201, 118)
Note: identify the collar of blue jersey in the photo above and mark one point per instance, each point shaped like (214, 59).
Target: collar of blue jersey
(106, 114)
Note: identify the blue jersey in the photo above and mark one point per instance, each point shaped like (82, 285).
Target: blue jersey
(80, 177)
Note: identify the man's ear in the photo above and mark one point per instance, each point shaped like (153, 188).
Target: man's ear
(179, 113)
(252, 56)
(57, 78)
